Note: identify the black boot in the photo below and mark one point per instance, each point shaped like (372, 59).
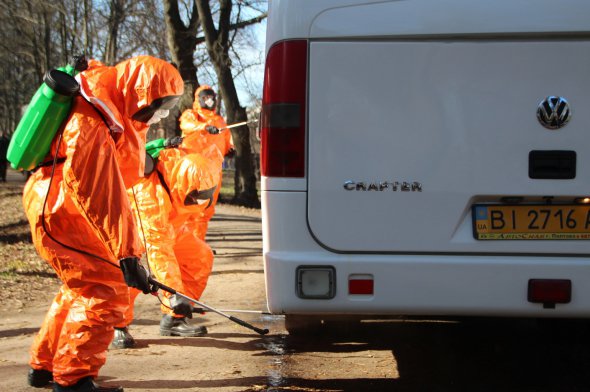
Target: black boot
(85, 384)
(171, 326)
(122, 339)
(39, 378)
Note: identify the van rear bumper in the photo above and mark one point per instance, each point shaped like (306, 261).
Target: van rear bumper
(429, 285)
(454, 285)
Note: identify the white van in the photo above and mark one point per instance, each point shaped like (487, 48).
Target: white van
(427, 157)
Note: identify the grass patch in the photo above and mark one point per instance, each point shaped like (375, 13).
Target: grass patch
(227, 186)
(227, 192)
(11, 268)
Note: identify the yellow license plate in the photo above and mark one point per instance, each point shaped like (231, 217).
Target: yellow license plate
(531, 222)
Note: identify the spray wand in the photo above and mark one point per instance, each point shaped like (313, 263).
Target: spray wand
(219, 312)
(238, 124)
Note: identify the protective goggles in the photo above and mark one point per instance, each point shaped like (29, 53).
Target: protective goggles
(207, 93)
(165, 103)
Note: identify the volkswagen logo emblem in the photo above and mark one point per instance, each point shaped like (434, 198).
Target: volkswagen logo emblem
(554, 112)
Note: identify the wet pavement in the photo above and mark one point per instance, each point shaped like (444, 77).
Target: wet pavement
(434, 355)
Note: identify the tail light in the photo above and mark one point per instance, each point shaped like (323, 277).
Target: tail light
(283, 110)
(550, 291)
(360, 285)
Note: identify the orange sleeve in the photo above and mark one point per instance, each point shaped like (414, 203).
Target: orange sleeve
(219, 122)
(223, 140)
(228, 141)
(189, 123)
(93, 178)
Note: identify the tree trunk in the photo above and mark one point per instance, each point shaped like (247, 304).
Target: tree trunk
(30, 29)
(245, 178)
(87, 47)
(47, 37)
(218, 48)
(182, 43)
(63, 33)
(116, 18)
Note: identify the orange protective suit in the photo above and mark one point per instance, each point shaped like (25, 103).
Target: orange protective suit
(192, 123)
(180, 189)
(87, 208)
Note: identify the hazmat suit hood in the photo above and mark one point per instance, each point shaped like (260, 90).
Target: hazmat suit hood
(133, 89)
(146, 84)
(194, 121)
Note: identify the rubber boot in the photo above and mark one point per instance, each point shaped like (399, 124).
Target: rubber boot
(39, 378)
(85, 384)
(172, 326)
(122, 339)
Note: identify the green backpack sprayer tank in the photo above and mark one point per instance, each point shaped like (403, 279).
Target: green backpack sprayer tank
(154, 147)
(46, 112)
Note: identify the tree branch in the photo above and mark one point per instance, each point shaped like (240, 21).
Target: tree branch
(239, 25)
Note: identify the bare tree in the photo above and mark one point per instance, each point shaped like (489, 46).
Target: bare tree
(117, 15)
(87, 27)
(182, 43)
(218, 46)
(27, 43)
(42, 34)
(145, 31)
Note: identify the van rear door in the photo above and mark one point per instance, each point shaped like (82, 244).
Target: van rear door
(406, 134)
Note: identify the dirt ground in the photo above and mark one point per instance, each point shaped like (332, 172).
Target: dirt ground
(401, 355)
(229, 358)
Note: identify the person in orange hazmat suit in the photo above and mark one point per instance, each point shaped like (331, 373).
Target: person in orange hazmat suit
(202, 122)
(81, 218)
(178, 190)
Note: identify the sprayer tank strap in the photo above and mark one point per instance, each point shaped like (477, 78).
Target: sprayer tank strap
(163, 182)
(49, 163)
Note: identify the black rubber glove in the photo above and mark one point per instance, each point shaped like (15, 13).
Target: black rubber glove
(212, 130)
(181, 306)
(173, 141)
(135, 274)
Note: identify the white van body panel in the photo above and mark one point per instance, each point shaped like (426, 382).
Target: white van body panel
(334, 19)
(436, 17)
(443, 93)
(458, 117)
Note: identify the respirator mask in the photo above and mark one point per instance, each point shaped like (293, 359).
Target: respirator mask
(207, 99)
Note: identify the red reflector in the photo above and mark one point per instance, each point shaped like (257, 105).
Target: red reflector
(360, 286)
(550, 291)
(282, 134)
